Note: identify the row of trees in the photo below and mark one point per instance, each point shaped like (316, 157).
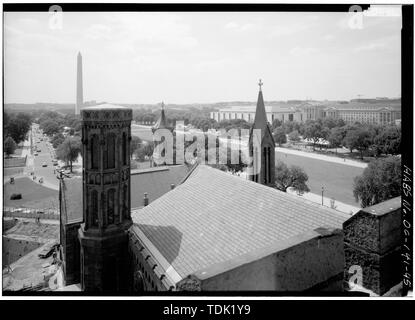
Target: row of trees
(194, 116)
(52, 122)
(361, 137)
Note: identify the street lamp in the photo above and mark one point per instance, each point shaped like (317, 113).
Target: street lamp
(322, 198)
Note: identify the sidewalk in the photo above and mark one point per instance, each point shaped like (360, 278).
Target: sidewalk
(339, 206)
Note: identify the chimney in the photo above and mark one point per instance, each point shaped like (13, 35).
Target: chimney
(145, 202)
(172, 186)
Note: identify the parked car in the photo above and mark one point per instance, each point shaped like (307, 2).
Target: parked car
(44, 164)
(36, 154)
(48, 250)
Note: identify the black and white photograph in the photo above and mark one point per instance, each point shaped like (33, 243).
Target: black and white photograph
(235, 150)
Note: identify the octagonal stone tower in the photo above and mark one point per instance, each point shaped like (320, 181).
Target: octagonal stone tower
(106, 135)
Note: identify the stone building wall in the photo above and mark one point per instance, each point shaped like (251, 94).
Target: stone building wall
(13, 249)
(372, 244)
(312, 261)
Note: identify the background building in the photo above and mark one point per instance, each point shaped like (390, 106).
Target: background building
(371, 111)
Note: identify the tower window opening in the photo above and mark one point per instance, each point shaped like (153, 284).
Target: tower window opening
(95, 152)
(110, 163)
(111, 206)
(124, 149)
(94, 208)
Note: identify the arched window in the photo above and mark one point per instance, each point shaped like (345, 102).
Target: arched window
(94, 208)
(103, 207)
(266, 165)
(95, 152)
(269, 163)
(125, 202)
(117, 209)
(111, 206)
(110, 163)
(124, 149)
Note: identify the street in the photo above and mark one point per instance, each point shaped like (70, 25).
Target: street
(34, 163)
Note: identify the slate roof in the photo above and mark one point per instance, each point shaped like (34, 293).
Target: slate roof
(155, 181)
(215, 217)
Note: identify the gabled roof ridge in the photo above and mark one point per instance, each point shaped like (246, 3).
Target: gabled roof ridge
(195, 165)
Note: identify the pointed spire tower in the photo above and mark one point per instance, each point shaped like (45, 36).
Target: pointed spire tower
(79, 85)
(261, 146)
(161, 123)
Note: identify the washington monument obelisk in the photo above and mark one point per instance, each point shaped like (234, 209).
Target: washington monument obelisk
(79, 91)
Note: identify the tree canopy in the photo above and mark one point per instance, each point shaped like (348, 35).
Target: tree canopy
(69, 150)
(380, 181)
(315, 131)
(9, 146)
(279, 136)
(17, 126)
(290, 177)
(294, 136)
(358, 138)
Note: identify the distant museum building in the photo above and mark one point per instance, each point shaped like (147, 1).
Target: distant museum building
(371, 111)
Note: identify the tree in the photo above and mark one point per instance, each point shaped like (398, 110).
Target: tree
(69, 150)
(276, 123)
(358, 138)
(380, 181)
(294, 177)
(294, 136)
(336, 136)
(290, 126)
(134, 144)
(18, 126)
(314, 131)
(388, 140)
(329, 123)
(279, 136)
(9, 146)
(143, 150)
(57, 139)
(50, 127)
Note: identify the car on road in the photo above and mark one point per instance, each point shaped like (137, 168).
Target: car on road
(44, 164)
(36, 154)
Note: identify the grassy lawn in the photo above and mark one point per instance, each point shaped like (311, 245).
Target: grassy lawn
(33, 195)
(13, 171)
(143, 133)
(337, 179)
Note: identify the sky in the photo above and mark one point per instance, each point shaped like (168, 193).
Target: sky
(192, 57)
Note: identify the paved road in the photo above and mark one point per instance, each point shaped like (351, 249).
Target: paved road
(35, 163)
